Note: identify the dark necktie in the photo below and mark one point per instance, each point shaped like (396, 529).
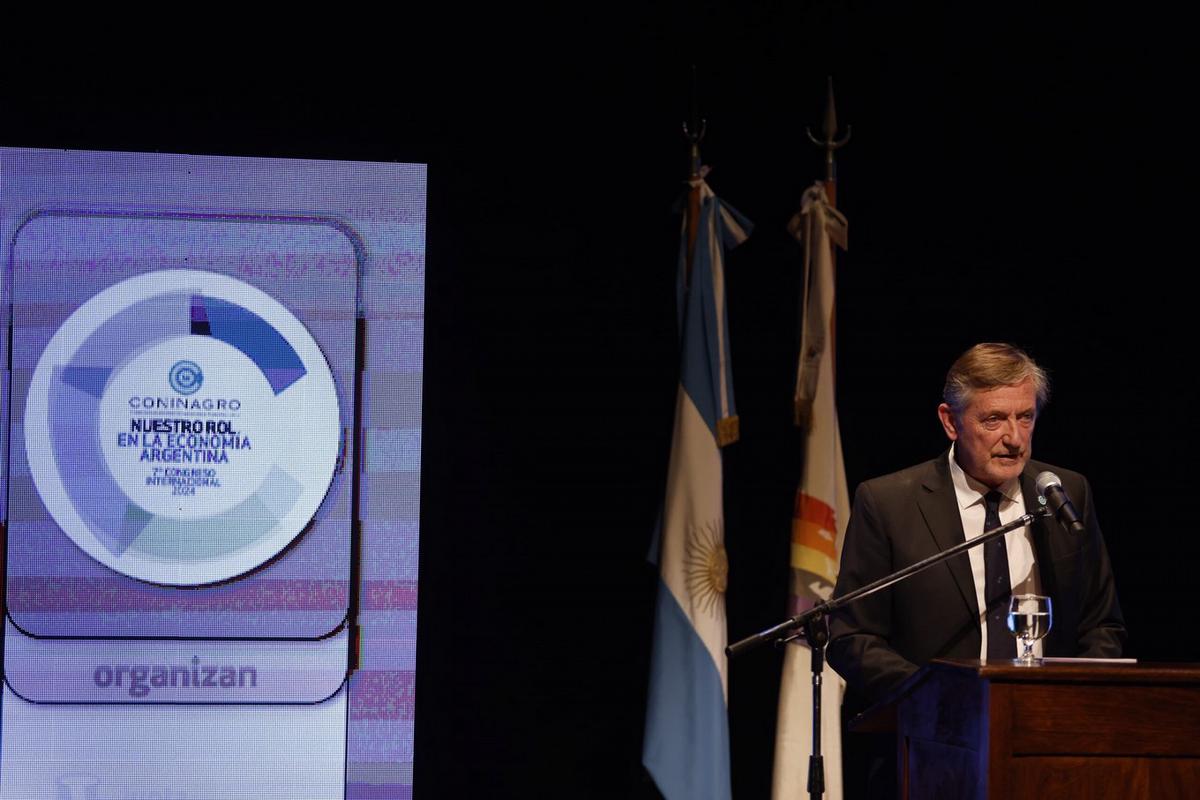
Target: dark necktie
(997, 584)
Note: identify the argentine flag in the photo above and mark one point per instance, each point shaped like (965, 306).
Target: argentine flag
(686, 747)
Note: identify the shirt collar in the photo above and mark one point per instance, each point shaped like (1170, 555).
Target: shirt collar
(969, 491)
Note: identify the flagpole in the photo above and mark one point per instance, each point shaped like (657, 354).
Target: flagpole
(820, 503)
(816, 629)
(693, 131)
(685, 747)
(830, 144)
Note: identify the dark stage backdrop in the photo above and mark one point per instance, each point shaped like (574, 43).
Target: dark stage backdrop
(1008, 179)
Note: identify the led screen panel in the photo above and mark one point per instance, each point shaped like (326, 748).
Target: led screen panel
(211, 476)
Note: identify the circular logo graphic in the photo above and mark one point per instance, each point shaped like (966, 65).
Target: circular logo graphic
(186, 377)
(182, 427)
(130, 437)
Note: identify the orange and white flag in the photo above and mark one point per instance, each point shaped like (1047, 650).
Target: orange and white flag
(821, 511)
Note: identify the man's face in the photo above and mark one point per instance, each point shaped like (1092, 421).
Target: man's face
(994, 434)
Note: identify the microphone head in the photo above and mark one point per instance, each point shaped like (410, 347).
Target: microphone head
(1045, 480)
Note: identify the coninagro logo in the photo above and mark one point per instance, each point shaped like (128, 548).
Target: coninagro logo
(185, 377)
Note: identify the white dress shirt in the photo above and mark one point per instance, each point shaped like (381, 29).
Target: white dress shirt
(1021, 565)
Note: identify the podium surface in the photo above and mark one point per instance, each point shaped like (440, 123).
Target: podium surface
(971, 729)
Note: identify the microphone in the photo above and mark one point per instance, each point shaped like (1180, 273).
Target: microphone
(1050, 487)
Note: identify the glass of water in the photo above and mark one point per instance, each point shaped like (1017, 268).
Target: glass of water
(1029, 619)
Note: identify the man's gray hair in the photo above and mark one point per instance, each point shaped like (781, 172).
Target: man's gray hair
(991, 365)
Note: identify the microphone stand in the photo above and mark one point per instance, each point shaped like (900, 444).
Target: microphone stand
(813, 625)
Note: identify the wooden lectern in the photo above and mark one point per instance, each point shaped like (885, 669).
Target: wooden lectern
(969, 729)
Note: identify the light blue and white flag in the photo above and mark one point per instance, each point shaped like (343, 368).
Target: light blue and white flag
(686, 748)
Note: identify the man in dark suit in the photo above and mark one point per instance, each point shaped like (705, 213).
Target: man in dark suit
(956, 609)
(992, 396)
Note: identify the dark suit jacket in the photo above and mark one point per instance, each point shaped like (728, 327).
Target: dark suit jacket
(902, 518)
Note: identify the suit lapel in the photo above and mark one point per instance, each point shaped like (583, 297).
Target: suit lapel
(939, 506)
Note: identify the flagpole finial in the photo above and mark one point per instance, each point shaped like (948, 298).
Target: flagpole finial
(829, 129)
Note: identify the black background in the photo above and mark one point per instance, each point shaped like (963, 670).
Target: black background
(1011, 177)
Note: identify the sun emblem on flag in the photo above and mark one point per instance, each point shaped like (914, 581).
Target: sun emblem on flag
(706, 566)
